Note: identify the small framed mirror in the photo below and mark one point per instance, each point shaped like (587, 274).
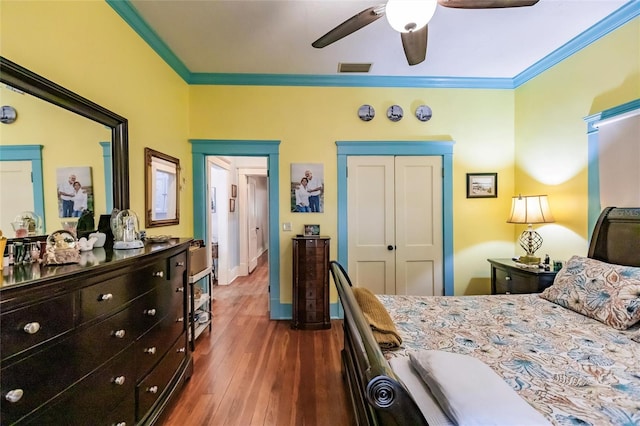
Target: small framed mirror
(162, 189)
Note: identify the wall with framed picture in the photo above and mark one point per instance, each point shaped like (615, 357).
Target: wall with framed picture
(307, 188)
(482, 185)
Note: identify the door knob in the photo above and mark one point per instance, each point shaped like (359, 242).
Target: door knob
(390, 247)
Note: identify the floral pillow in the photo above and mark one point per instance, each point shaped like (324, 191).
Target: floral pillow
(602, 291)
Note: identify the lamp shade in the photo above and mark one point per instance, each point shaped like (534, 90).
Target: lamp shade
(530, 209)
(409, 15)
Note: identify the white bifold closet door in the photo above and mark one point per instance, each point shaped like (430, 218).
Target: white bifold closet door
(395, 224)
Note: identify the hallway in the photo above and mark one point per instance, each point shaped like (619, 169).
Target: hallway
(253, 371)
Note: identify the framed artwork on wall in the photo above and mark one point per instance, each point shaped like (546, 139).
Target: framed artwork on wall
(307, 188)
(311, 230)
(482, 185)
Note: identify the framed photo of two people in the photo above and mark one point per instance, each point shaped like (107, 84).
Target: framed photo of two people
(307, 188)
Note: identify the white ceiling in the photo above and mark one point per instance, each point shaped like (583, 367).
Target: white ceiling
(274, 37)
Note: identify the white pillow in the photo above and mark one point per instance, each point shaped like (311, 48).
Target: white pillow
(470, 392)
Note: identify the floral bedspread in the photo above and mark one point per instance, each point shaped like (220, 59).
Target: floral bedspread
(573, 369)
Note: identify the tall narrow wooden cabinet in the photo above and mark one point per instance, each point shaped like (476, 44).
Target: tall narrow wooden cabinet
(311, 283)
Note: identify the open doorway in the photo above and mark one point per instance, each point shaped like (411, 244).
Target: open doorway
(238, 214)
(202, 149)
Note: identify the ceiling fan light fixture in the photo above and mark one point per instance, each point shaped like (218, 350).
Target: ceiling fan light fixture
(409, 15)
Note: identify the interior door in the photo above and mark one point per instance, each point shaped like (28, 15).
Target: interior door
(252, 227)
(15, 174)
(371, 220)
(395, 224)
(419, 246)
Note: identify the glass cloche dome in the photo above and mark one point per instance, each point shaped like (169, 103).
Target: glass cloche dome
(125, 227)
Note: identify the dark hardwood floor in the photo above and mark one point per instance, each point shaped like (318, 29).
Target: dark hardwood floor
(253, 371)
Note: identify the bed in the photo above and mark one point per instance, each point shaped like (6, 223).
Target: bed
(571, 367)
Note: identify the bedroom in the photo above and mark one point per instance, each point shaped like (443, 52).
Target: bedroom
(506, 137)
(495, 130)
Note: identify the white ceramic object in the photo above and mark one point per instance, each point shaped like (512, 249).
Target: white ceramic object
(100, 237)
(86, 245)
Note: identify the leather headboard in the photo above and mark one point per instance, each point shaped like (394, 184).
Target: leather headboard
(616, 236)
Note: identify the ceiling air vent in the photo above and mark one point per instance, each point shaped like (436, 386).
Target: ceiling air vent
(346, 67)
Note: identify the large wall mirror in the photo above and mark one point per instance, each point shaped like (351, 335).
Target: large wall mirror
(162, 189)
(108, 130)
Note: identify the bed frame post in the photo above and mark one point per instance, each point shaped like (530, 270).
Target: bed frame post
(377, 394)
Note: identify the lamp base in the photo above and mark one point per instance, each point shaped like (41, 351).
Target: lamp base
(529, 260)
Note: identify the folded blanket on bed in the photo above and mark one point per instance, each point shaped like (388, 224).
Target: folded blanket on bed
(384, 330)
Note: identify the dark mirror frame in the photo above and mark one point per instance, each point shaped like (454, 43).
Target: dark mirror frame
(22, 79)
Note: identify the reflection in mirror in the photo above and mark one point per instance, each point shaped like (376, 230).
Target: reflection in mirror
(21, 80)
(162, 189)
(28, 172)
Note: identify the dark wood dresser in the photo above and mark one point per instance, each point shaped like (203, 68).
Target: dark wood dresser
(103, 342)
(508, 278)
(311, 283)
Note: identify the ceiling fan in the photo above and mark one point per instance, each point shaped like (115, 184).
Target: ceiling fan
(410, 18)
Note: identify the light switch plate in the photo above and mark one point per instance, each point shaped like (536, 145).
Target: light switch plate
(286, 226)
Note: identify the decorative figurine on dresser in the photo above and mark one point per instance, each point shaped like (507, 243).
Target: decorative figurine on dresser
(100, 342)
(311, 283)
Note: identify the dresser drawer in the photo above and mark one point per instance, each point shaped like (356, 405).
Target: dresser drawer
(105, 339)
(109, 296)
(516, 283)
(107, 395)
(152, 387)
(150, 348)
(177, 267)
(43, 375)
(151, 308)
(27, 327)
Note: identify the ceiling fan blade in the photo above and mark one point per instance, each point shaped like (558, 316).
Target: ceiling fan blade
(415, 45)
(485, 4)
(349, 26)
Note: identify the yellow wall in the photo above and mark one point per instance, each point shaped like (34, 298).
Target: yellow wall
(86, 47)
(308, 121)
(42, 123)
(551, 140)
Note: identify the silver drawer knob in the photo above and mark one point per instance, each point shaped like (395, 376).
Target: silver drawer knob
(119, 380)
(121, 424)
(179, 263)
(180, 319)
(507, 278)
(104, 297)
(152, 389)
(151, 350)
(150, 312)
(32, 327)
(14, 395)
(179, 289)
(181, 350)
(120, 334)
(158, 274)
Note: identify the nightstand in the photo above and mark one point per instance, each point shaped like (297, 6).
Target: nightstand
(508, 278)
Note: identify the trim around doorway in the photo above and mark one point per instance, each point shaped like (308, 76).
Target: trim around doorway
(202, 148)
(400, 148)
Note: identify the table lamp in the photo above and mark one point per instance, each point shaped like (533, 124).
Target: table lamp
(530, 209)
